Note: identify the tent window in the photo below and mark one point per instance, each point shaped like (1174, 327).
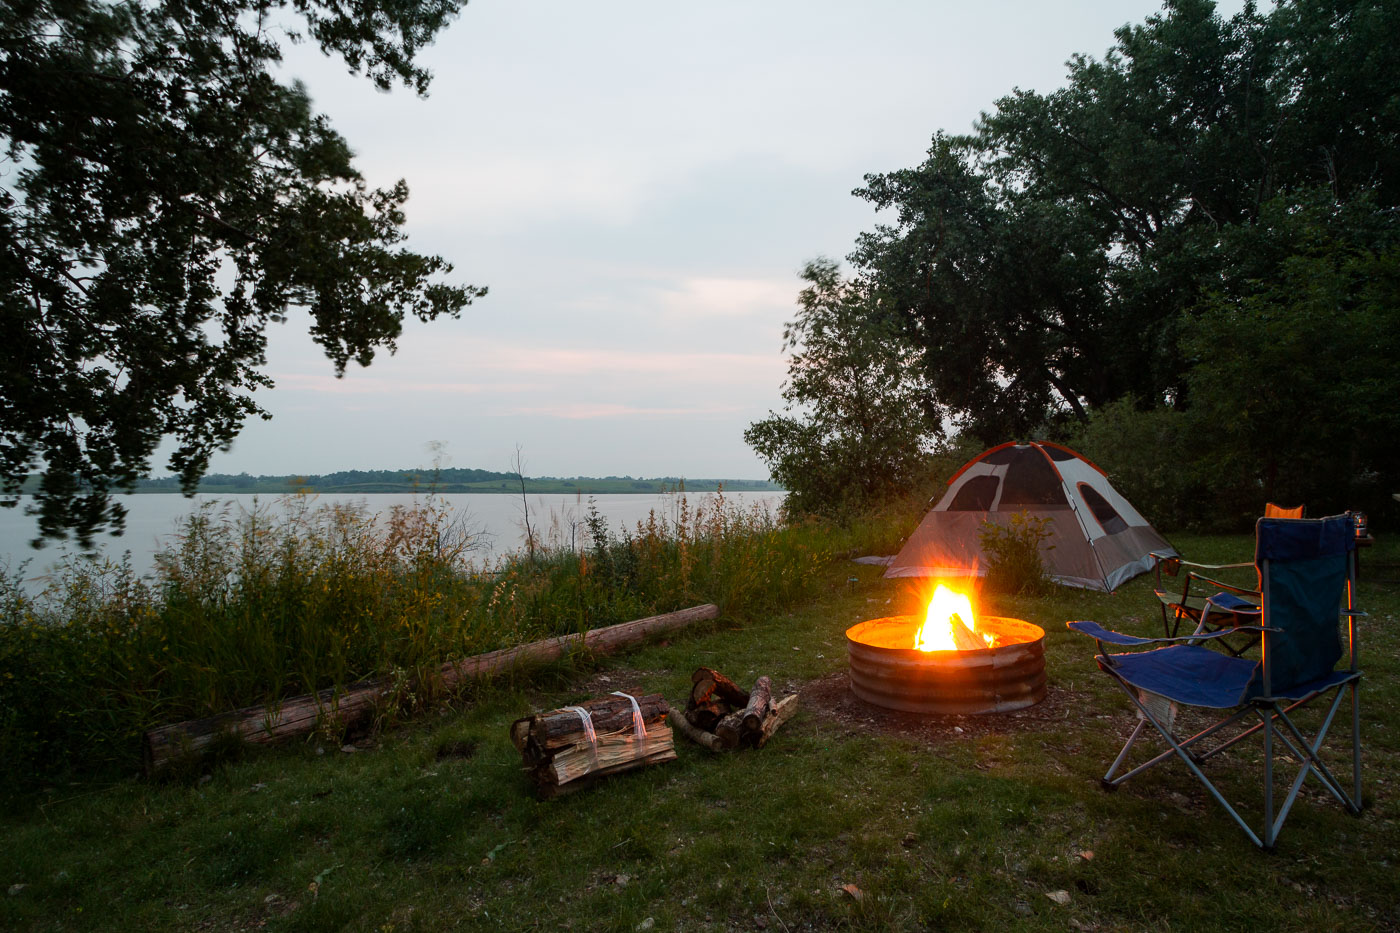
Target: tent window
(1031, 481)
(976, 495)
(1106, 514)
(1058, 454)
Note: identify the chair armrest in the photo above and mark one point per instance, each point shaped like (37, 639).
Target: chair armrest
(1194, 577)
(1162, 557)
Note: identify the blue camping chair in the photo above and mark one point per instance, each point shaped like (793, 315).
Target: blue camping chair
(1231, 603)
(1307, 573)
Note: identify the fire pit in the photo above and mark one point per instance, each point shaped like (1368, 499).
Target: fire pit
(949, 662)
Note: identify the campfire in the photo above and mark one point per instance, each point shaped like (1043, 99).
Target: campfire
(948, 661)
(950, 624)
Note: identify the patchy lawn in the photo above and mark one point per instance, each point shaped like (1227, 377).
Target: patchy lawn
(849, 819)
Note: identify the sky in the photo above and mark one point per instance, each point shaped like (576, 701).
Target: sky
(639, 185)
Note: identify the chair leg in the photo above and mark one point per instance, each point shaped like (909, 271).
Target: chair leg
(1108, 780)
(1307, 753)
(1270, 831)
(1356, 745)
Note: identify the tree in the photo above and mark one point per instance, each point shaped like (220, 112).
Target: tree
(1048, 263)
(862, 420)
(163, 200)
(1295, 384)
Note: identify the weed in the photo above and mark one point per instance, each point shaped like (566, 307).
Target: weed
(1015, 566)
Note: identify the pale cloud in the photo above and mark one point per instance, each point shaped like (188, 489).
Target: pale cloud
(585, 411)
(359, 383)
(468, 352)
(728, 297)
(518, 191)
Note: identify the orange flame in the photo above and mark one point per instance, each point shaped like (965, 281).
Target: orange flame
(947, 609)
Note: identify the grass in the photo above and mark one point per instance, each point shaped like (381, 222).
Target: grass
(435, 827)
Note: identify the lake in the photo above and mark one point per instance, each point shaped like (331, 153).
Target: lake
(556, 519)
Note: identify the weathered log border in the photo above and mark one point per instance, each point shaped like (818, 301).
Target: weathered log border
(298, 716)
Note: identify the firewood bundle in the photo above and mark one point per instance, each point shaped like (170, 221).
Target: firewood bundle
(567, 749)
(720, 715)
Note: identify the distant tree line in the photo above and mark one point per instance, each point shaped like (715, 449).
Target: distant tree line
(441, 480)
(1185, 262)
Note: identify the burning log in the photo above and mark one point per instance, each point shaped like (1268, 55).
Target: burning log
(963, 636)
(720, 716)
(566, 749)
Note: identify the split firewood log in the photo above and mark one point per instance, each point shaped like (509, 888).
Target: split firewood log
(707, 682)
(706, 740)
(707, 714)
(779, 713)
(728, 730)
(760, 700)
(712, 697)
(559, 755)
(714, 722)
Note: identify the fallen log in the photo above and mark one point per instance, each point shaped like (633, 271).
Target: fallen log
(356, 704)
(569, 748)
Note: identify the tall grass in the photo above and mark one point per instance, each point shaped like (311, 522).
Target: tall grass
(247, 607)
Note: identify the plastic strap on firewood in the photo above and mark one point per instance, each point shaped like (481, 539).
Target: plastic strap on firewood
(639, 725)
(587, 721)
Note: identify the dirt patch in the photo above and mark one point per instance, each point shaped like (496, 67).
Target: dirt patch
(831, 699)
(623, 679)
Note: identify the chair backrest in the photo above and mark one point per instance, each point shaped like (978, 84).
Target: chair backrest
(1305, 570)
(1278, 511)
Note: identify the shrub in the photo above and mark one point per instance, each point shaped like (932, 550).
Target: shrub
(1016, 566)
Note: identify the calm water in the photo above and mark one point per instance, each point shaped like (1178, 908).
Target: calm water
(557, 519)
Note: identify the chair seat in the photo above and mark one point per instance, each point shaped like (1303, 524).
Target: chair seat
(1192, 605)
(1187, 674)
(1230, 602)
(1197, 676)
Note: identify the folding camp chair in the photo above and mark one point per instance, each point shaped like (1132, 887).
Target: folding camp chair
(1196, 588)
(1307, 570)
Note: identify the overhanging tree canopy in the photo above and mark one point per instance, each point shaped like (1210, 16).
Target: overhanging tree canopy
(162, 199)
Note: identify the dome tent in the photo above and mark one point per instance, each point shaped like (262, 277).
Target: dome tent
(1100, 541)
